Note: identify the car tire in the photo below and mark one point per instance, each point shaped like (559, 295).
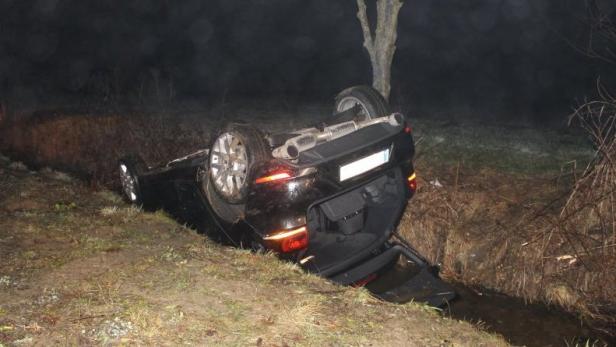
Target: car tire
(131, 168)
(371, 102)
(234, 153)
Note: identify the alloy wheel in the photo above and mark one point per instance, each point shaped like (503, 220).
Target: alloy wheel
(228, 164)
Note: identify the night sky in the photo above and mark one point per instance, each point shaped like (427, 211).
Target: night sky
(496, 58)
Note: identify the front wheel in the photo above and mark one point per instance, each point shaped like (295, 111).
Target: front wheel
(130, 169)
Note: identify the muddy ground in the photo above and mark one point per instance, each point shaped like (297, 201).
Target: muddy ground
(81, 267)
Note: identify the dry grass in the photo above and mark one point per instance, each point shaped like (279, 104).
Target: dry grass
(488, 208)
(90, 145)
(545, 237)
(81, 268)
(586, 225)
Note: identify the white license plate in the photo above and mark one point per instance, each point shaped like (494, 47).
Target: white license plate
(365, 164)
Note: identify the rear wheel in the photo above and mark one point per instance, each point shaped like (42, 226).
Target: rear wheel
(371, 103)
(130, 169)
(233, 155)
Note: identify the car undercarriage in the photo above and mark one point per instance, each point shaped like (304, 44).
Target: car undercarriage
(328, 197)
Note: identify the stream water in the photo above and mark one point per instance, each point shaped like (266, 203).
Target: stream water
(519, 323)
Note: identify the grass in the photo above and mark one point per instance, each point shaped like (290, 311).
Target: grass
(498, 187)
(88, 269)
(494, 218)
(506, 148)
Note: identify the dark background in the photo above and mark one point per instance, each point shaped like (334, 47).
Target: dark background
(487, 58)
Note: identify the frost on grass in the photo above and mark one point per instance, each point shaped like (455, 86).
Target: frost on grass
(109, 211)
(109, 196)
(172, 255)
(49, 296)
(6, 281)
(26, 341)
(114, 329)
(18, 166)
(56, 175)
(124, 212)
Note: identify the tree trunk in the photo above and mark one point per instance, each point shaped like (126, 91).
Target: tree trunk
(381, 45)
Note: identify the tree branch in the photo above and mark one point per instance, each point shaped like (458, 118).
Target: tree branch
(365, 27)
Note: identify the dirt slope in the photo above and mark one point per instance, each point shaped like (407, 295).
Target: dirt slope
(81, 267)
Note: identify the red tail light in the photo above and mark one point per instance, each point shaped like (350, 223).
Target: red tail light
(278, 176)
(412, 182)
(364, 281)
(291, 240)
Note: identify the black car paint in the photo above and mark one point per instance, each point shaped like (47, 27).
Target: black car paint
(271, 206)
(275, 206)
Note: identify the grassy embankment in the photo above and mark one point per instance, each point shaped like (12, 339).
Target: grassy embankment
(80, 267)
(488, 208)
(491, 210)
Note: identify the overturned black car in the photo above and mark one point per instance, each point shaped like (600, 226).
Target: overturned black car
(328, 197)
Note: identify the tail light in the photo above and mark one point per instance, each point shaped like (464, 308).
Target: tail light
(290, 240)
(276, 176)
(407, 126)
(411, 182)
(282, 173)
(364, 281)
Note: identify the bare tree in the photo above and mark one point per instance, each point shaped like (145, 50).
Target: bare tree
(600, 20)
(586, 225)
(381, 45)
